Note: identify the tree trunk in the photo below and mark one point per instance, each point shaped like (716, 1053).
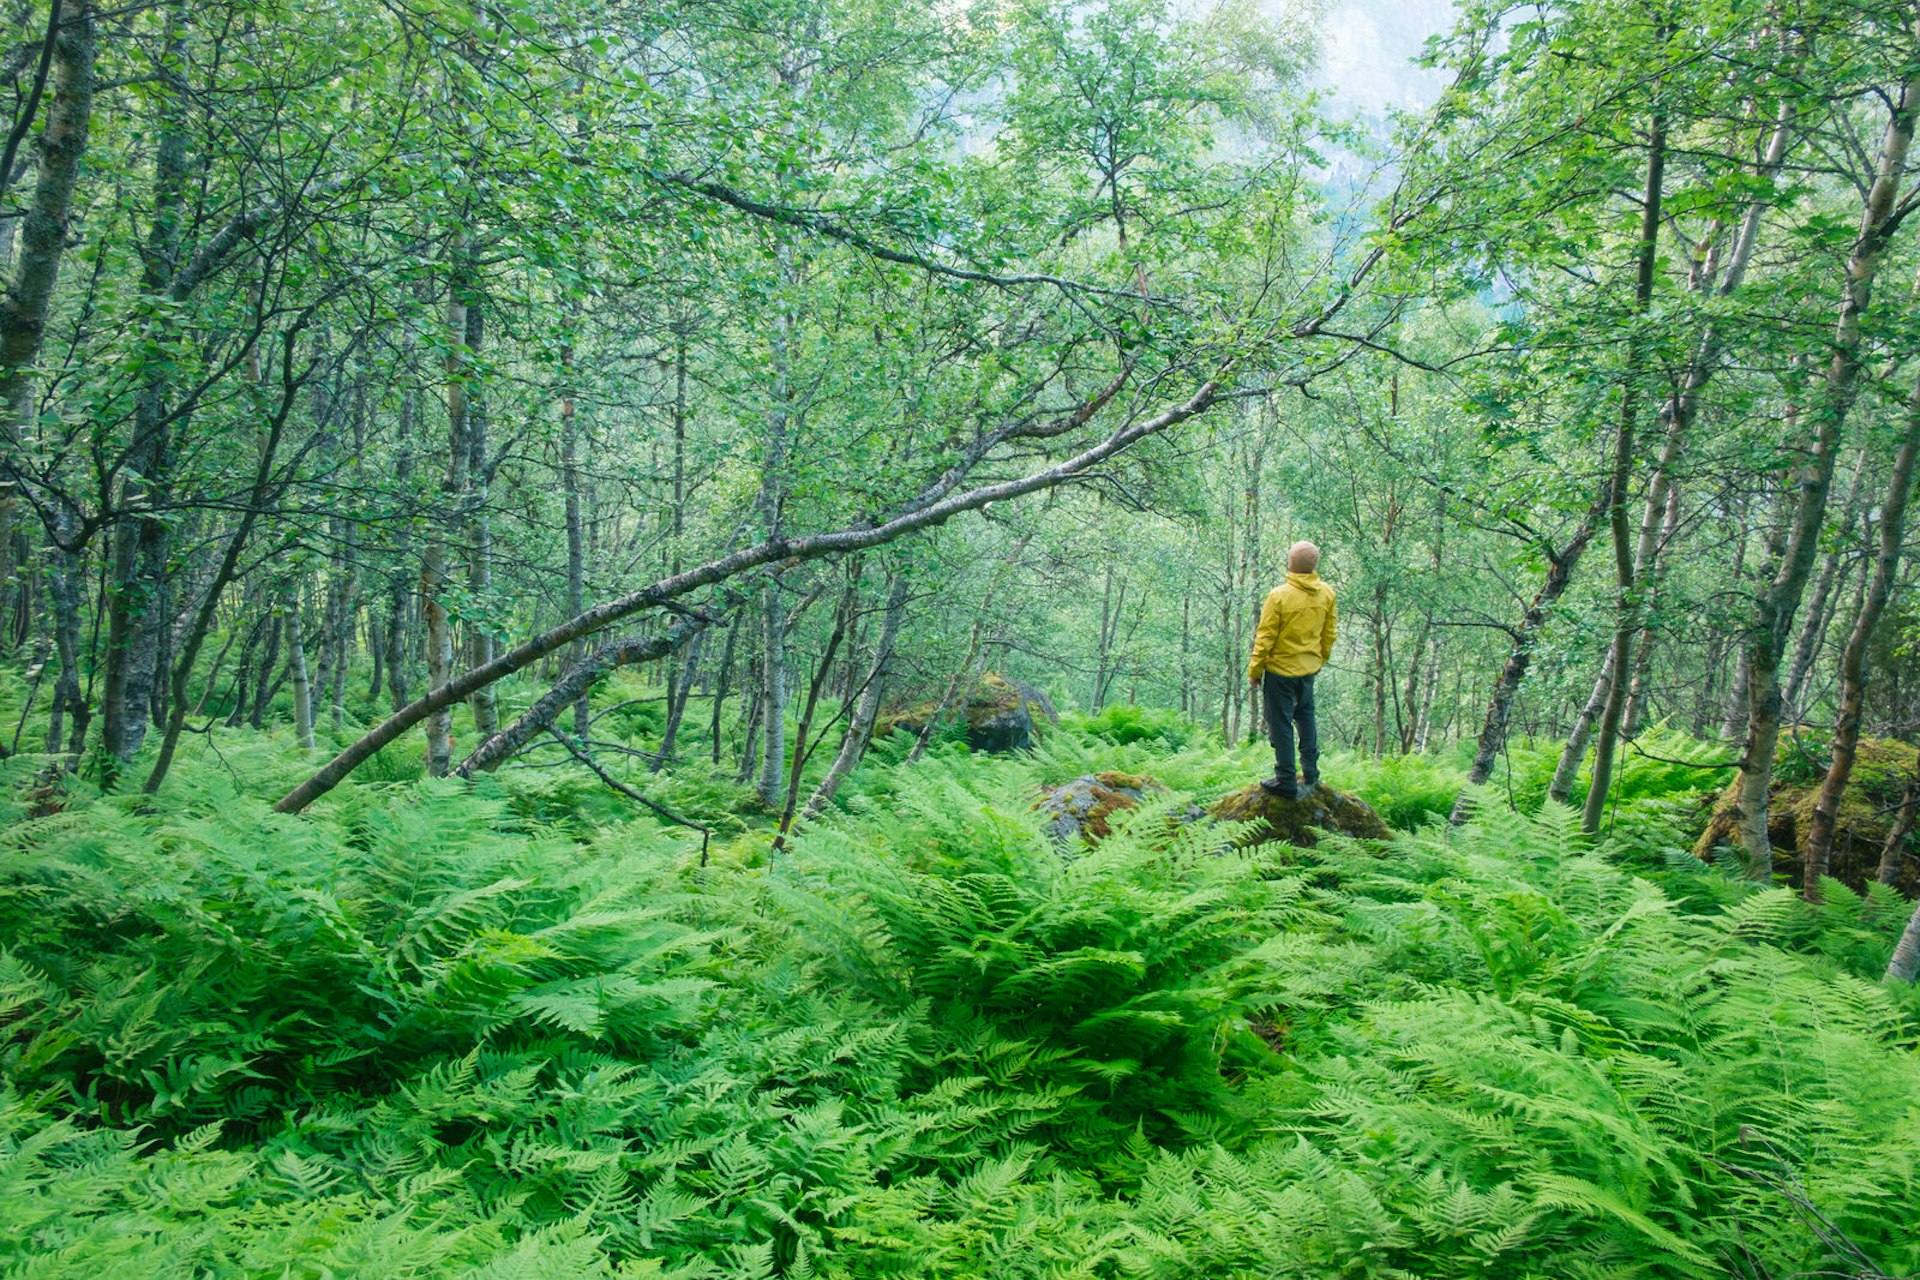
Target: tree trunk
(1568, 769)
(269, 667)
(261, 493)
(1894, 851)
(26, 301)
(843, 619)
(297, 664)
(721, 682)
(69, 710)
(139, 546)
(866, 712)
(683, 674)
(1640, 687)
(676, 522)
(576, 532)
(24, 307)
(453, 493)
(1493, 729)
(1906, 955)
(1853, 659)
(1814, 479)
(1627, 608)
(1813, 630)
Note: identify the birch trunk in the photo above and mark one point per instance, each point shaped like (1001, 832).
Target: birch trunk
(297, 663)
(140, 543)
(1893, 853)
(1814, 480)
(1493, 728)
(480, 640)
(1813, 630)
(1906, 955)
(866, 712)
(453, 492)
(1625, 554)
(576, 533)
(24, 307)
(1853, 659)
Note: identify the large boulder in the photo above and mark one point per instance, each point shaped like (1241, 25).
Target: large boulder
(1079, 808)
(1882, 770)
(1300, 822)
(1000, 714)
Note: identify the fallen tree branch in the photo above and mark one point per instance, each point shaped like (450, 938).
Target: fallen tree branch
(777, 551)
(706, 833)
(623, 651)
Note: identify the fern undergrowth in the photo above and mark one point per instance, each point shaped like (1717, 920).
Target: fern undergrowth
(508, 1030)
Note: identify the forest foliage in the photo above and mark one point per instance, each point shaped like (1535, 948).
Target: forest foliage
(430, 1029)
(508, 509)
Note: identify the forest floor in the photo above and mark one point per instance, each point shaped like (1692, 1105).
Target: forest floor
(516, 1028)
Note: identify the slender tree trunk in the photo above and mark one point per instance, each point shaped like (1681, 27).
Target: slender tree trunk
(843, 619)
(1567, 771)
(1381, 676)
(243, 674)
(1493, 729)
(1627, 610)
(866, 711)
(453, 492)
(720, 685)
(1813, 629)
(139, 545)
(576, 532)
(1906, 955)
(297, 664)
(1640, 687)
(480, 637)
(1814, 478)
(1186, 656)
(261, 493)
(1853, 659)
(25, 305)
(676, 519)
(69, 711)
(1894, 851)
(269, 667)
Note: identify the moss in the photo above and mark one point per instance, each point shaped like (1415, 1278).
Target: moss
(1080, 808)
(1300, 822)
(1881, 769)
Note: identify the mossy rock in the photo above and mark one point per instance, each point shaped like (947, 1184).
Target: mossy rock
(1882, 768)
(1301, 822)
(1079, 808)
(1001, 714)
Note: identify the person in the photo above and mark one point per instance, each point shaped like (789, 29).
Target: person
(1294, 640)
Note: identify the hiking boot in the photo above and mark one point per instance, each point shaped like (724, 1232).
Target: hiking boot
(1279, 786)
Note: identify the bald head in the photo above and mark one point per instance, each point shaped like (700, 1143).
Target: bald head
(1303, 557)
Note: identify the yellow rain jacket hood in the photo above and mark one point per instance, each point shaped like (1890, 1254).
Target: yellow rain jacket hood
(1295, 637)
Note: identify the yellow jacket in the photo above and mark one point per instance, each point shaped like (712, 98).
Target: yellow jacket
(1296, 630)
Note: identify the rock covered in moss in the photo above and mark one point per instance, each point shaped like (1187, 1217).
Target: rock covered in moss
(1882, 768)
(1001, 714)
(1079, 808)
(1300, 822)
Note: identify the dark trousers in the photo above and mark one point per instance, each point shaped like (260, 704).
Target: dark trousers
(1289, 702)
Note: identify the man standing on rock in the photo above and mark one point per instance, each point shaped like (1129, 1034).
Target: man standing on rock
(1294, 640)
